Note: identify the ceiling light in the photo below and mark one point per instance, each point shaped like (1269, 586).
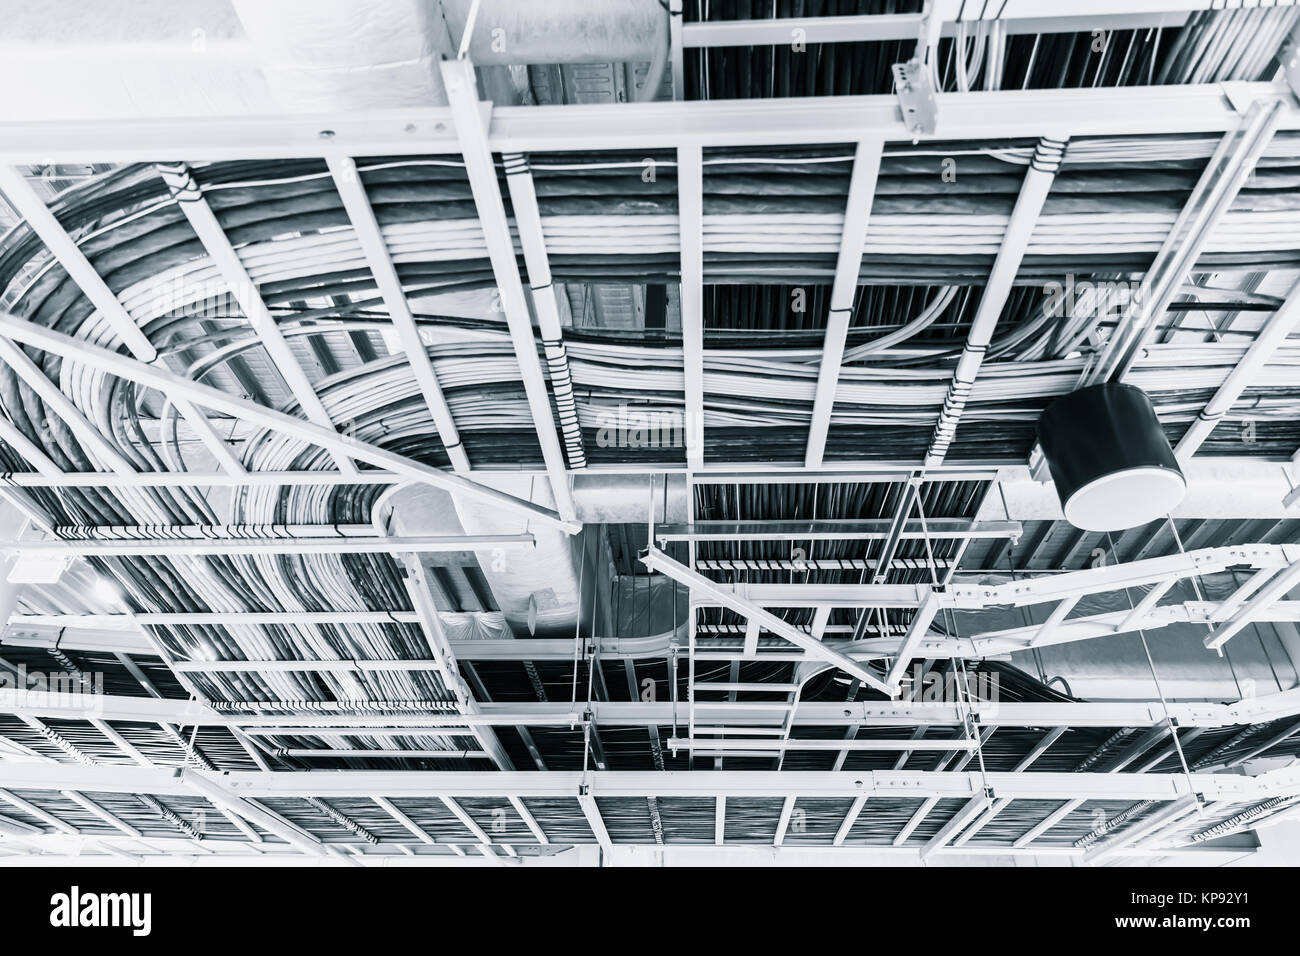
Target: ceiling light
(106, 591)
(1109, 458)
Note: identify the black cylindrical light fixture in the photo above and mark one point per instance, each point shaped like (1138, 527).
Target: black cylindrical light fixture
(1109, 458)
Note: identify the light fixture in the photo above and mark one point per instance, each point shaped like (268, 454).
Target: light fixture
(106, 591)
(1109, 458)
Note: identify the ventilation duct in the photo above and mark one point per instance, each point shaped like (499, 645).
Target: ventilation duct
(1109, 458)
(539, 589)
(326, 55)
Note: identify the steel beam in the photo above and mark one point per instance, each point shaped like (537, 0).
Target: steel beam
(263, 785)
(149, 547)
(1272, 592)
(471, 131)
(1220, 181)
(62, 406)
(188, 196)
(46, 469)
(899, 714)
(844, 290)
(375, 248)
(121, 633)
(1151, 110)
(831, 529)
(440, 650)
(1267, 341)
(215, 793)
(917, 628)
(707, 745)
(956, 823)
(690, 223)
(879, 28)
(594, 820)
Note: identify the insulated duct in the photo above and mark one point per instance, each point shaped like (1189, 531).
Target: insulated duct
(576, 31)
(152, 58)
(539, 589)
(325, 55)
(127, 58)
(328, 55)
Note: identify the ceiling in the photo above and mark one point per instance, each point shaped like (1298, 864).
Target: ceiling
(614, 431)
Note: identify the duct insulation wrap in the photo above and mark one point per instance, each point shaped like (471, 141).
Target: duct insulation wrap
(325, 55)
(544, 589)
(537, 587)
(1109, 458)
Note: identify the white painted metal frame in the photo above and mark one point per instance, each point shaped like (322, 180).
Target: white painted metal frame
(258, 785)
(1218, 185)
(1272, 592)
(658, 561)
(189, 197)
(844, 290)
(347, 180)
(471, 130)
(1193, 108)
(690, 221)
(1016, 19)
(528, 224)
(176, 386)
(1270, 338)
(64, 249)
(296, 544)
(895, 713)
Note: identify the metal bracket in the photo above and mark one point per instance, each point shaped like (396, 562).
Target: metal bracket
(1239, 94)
(916, 97)
(1038, 469)
(1289, 57)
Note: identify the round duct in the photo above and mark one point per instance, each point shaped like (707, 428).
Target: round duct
(1109, 458)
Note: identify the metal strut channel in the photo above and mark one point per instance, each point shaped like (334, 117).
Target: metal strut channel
(528, 223)
(471, 132)
(1033, 192)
